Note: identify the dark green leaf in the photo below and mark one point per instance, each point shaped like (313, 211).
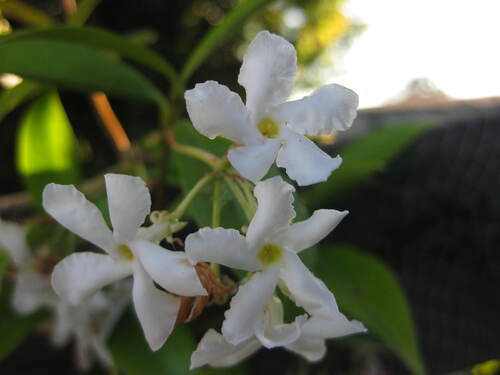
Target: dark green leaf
(14, 328)
(99, 38)
(361, 158)
(74, 66)
(46, 146)
(220, 33)
(11, 98)
(133, 356)
(367, 290)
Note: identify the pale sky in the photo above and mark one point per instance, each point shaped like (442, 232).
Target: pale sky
(454, 43)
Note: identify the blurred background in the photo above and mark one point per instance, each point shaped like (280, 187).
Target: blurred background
(421, 163)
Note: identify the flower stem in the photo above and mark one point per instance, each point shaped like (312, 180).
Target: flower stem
(216, 203)
(247, 189)
(240, 197)
(181, 208)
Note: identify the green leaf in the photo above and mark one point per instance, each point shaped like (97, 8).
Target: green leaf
(103, 39)
(46, 146)
(74, 66)
(367, 290)
(24, 13)
(15, 96)
(134, 357)
(361, 158)
(4, 262)
(85, 9)
(14, 328)
(220, 33)
(190, 170)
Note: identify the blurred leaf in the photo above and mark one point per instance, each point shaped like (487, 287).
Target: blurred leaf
(231, 22)
(95, 37)
(74, 66)
(4, 262)
(14, 328)
(24, 13)
(134, 357)
(367, 290)
(46, 146)
(15, 96)
(361, 158)
(190, 170)
(85, 9)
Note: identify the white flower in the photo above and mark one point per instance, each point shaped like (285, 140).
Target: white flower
(270, 248)
(268, 128)
(80, 275)
(32, 289)
(304, 338)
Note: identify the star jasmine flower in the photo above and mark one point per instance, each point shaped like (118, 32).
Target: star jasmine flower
(270, 249)
(80, 275)
(269, 129)
(304, 338)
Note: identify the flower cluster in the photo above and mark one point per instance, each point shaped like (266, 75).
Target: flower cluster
(265, 130)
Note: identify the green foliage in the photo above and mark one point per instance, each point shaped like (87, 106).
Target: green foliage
(98, 38)
(74, 66)
(14, 328)
(361, 158)
(133, 356)
(85, 9)
(46, 146)
(220, 33)
(13, 97)
(24, 13)
(367, 290)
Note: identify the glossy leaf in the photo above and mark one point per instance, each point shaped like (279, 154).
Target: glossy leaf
(103, 39)
(11, 98)
(74, 66)
(367, 290)
(220, 33)
(14, 328)
(361, 158)
(46, 146)
(133, 356)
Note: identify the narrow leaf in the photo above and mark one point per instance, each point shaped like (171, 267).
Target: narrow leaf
(24, 13)
(74, 66)
(46, 146)
(11, 98)
(220, 33)
(361, 158)
(368, 291)
(85, 9)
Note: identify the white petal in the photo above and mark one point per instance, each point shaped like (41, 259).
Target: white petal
(304, 161)
(311, 349)
(253, 162)
(170, 269)
(73, 211)
(307, 290)
(274, 212)
(337, 326)
(267, 73)
(307, 233)
(64, 325)
(217, 111)
(13, 240)
(31, 292)
(215, 351)
(156, 310)
(329, 108)
(129, 203)
(80, 275)
(222, 246)
(272, 335)
(247, 305)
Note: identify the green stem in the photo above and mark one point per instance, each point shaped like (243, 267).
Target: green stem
(216, 203)
(181, 208)
(247, 189)
(240, 197)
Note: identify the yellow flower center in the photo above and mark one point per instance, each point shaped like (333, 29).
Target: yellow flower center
(270, 254)
(125, 252)
(269, 128)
